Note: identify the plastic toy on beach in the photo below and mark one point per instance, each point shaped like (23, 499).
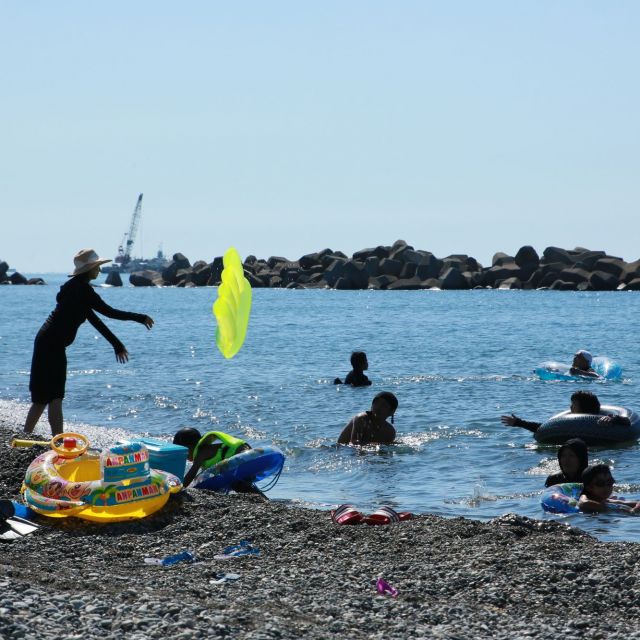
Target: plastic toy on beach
(252, 465)
(233, 305)
(117, 484)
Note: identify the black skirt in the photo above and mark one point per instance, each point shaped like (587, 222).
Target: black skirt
(48, 370)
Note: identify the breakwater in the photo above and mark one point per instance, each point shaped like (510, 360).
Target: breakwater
(15, 277)
(400, 266)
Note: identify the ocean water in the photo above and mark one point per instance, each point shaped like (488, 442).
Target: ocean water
(456, 360)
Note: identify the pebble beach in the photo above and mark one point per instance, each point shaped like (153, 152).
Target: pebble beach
(512, 577)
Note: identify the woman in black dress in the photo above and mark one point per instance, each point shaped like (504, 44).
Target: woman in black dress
(77, 301)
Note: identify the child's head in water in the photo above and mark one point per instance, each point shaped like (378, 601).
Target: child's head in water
(189, 438)
(359, 361)
(597, 482)
(573, 457)
(384, 405)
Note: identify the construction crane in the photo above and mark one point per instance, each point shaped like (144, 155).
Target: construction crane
(126, 246)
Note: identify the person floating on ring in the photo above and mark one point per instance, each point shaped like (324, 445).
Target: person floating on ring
(581, 365)
(77, 301)
(583, 402)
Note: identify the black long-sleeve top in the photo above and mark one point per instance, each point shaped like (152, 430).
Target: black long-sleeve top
(77, 301)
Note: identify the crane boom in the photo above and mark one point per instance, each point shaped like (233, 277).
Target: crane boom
(133, 228)
(126, 246)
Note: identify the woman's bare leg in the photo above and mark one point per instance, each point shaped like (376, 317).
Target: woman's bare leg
(35, 411)
(55, 416)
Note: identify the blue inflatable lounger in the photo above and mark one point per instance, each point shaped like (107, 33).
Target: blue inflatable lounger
(253, 465)
(605, 368)
(165, 455)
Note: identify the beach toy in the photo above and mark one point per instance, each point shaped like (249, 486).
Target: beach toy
(233, 305)
(117, 484)
(563, 498)
(16, 442)
(249, 466)
(565, 425)
(164, 455)
(607, 370)
(384, 588)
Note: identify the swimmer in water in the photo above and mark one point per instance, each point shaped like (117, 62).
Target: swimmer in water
(356, 377)
(581, 365)
(583, 402)
(573, 458)
(371, 427)
(597, 489)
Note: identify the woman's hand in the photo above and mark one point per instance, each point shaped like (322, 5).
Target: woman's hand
(122, 356)
(148, 322)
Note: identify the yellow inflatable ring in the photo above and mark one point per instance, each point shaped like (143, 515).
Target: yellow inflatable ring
(116, 484)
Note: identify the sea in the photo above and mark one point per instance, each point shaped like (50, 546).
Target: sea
(456, 360)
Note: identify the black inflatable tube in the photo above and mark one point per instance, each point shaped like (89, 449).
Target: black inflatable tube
(563, 426)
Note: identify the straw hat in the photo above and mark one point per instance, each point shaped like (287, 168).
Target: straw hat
(85, 260)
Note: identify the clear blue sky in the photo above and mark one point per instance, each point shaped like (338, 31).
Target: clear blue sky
(282, 128)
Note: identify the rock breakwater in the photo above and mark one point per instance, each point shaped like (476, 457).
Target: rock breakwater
(400, 266)
(15, 277)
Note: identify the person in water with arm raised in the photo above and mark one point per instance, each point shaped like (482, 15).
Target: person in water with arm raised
(583, 402)
(210, 449)
(371, 427)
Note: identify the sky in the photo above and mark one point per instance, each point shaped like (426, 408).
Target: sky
(286, 127)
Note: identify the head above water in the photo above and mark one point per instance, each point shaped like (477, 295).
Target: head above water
(582, 359)
(597, 482)
(187, 437)
(573, 457)
(585, 402)
(359, 361)
(384, 405)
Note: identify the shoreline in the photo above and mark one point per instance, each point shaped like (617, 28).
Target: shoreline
(457, 578)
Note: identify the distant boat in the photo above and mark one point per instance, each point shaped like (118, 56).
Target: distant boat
(138, 264)
(123, 262)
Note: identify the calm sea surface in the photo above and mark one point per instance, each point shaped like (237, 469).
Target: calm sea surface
(456, 361)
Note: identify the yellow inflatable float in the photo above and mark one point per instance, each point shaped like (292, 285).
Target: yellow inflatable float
(114, 485)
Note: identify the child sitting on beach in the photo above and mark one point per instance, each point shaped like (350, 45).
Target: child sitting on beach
(371, 427)
(573, 457)
(581, 365)
(356, 377)
(583, 402)
(597, 487)
(204, 452)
